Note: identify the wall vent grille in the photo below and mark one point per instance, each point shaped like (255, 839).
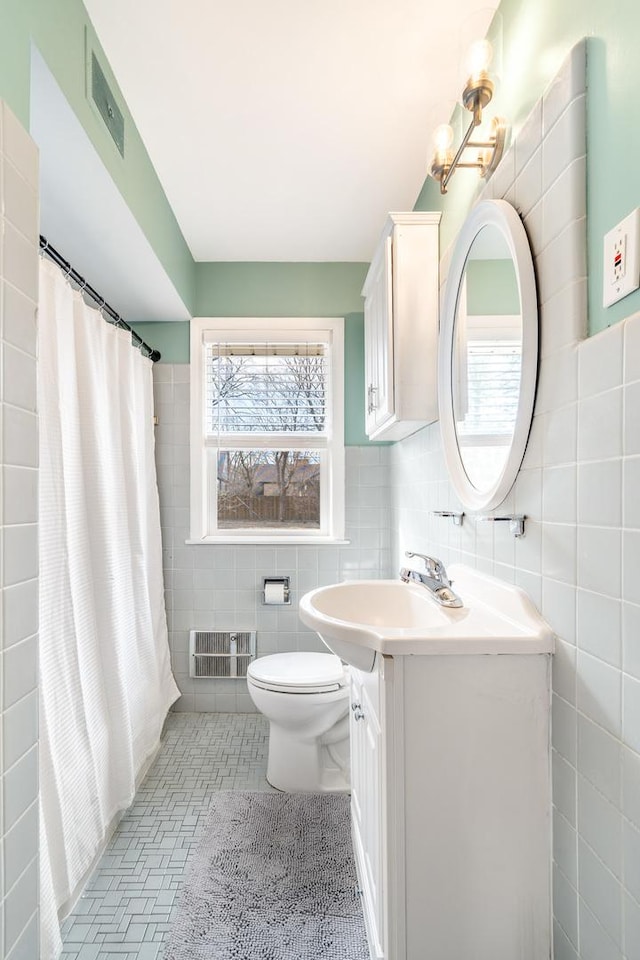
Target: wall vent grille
(106, 104)
(216, 653)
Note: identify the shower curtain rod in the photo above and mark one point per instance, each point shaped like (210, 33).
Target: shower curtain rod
(116, 319)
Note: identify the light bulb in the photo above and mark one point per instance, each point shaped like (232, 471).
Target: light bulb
(443, 154)
(442, 137)
(479, 58)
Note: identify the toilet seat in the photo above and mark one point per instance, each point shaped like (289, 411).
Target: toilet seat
(298, 673)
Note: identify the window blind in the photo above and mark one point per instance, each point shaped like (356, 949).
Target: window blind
(263, 388)
(493, 388)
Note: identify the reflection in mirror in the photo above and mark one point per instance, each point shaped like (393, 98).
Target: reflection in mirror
(487, 358)
(488, 355)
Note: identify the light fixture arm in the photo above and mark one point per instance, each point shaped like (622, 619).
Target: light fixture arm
(476, 95)
(456, 160)
(486, 162)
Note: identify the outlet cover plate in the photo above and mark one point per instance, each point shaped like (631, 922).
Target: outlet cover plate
(621, 273)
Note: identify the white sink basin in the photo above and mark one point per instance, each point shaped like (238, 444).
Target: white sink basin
(359, 618)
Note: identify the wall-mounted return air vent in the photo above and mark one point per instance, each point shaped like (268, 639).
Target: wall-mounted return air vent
(105, 103)
(214, 653)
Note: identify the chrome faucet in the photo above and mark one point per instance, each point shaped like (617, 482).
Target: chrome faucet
(435, 579)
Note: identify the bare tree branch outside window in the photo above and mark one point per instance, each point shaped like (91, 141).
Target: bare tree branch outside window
(261, 394)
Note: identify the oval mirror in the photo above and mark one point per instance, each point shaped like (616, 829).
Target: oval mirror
(488, 355)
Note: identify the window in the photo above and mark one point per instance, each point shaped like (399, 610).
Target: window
(267, 449)
(486, 372)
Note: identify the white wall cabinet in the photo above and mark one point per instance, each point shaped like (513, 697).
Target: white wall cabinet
(401, 327)
(451, 806)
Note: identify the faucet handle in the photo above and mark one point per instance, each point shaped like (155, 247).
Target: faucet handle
(435, 567)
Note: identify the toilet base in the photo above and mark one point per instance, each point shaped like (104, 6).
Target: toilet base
(306, 766)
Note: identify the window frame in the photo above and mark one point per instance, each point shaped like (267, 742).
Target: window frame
(332, 490)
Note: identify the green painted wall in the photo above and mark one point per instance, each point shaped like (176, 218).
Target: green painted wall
(16, 20)
(537, 35)
(58, 29)
(280, 290)
(170, 337)
(354, 393)
(492, 288)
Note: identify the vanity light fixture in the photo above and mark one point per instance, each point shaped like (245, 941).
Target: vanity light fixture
(476, 95)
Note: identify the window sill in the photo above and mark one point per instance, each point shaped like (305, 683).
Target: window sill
(271, 541)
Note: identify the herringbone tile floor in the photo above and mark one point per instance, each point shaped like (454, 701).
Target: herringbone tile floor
(127, 906)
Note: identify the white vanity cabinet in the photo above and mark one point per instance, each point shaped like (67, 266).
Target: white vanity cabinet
(401, 327)
(451, 806)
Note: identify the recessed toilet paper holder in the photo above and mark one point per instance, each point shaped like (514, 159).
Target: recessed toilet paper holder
(276, 590)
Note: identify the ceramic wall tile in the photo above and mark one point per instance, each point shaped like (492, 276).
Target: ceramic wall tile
(19, 542)
(578, 487)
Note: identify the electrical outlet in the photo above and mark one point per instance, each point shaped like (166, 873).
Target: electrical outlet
(619, 258)
(621, 274)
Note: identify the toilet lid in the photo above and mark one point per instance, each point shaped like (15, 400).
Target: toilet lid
(306, 672)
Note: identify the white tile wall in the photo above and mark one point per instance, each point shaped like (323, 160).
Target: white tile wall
(580, 558)
(19, 539)
(218, 587)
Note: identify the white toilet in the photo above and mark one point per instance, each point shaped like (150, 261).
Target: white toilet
(305, 698)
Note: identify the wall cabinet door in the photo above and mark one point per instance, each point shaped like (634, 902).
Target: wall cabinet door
(401, 327)
(378, 320)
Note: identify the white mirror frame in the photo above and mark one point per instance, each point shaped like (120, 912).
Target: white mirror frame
(499, 214)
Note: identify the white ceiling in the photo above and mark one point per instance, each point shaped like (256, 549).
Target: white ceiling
(287, 130)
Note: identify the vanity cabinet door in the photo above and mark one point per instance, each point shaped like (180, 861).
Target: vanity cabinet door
(366, 798)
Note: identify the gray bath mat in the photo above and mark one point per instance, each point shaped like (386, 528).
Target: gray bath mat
(272, 878)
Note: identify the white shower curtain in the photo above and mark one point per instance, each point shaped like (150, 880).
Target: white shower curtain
(105, 677)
